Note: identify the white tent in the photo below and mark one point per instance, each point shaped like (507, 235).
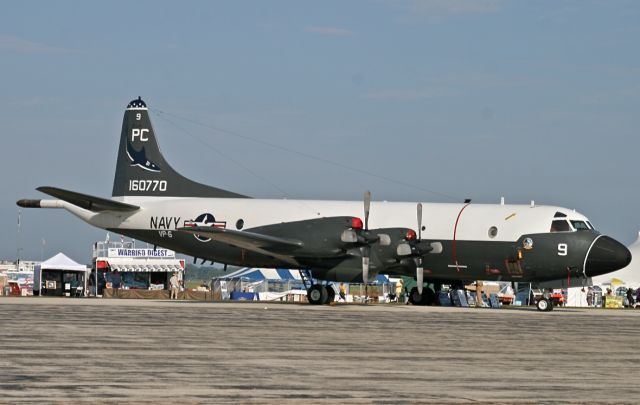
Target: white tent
(58, 262)
(630, 275)
(576, 297)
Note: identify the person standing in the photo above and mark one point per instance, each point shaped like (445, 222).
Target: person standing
(174, 285)
(343, 292)
(630, 299)
(399, 291)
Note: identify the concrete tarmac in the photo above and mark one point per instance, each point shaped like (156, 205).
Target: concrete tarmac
(93, 351)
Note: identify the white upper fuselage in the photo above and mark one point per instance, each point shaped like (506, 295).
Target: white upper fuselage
(439, 219)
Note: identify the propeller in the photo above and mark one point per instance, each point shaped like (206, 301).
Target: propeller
(365, 266)
(367, 208)
(419, 221)
(419, 268)
(366, 249)
(364, 239)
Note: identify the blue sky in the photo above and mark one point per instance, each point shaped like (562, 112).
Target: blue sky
(481, 99)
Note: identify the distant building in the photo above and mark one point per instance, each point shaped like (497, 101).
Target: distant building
(19, 273)
(25, 266)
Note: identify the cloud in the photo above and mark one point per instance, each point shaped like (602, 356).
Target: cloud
(15, 44)
(330, 31)
(444, 7)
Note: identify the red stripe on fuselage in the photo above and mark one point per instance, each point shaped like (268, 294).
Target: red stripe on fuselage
(455, 230)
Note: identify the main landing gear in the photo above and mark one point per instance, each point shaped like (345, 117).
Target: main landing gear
(319, 294)
(428, 297)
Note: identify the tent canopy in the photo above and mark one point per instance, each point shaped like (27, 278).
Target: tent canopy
(614, 282)
(148, 265)
(61, 262)
(264, 274)
(278, 274)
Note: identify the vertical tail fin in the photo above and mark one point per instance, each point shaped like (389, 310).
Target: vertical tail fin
(142, 171)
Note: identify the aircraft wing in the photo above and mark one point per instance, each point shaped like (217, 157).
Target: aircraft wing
(88, 202)
(256, 242)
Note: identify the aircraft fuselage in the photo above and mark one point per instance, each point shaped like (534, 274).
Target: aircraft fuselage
(479, 241)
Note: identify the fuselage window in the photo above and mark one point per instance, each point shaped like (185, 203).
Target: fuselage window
(580, 225)
(560, 226)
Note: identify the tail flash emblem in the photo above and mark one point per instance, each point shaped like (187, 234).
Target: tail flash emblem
(139, 158)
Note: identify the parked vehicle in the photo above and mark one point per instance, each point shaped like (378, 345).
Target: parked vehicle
(15, 289)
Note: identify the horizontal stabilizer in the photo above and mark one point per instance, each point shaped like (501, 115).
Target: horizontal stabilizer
(256, 242)
(88, 202)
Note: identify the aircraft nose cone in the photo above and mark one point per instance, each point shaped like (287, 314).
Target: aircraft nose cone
(606, 255)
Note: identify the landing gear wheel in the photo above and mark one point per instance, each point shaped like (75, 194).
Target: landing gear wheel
(415, 298)
(331, 294)
(317, 295)
(428, 296)
(544, 304)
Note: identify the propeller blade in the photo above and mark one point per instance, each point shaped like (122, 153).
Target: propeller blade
(365, 269)
(419, 221)
(365, 250)
(367, 208)
(419, 268)
(420, 277)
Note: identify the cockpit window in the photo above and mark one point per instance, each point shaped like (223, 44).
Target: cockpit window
(580, 225)
(560, 225)
(560, 215)
(590, 225)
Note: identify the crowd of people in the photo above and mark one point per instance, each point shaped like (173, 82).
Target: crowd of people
(633, 297)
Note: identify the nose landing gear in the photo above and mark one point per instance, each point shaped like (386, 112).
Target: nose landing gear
(544, 304)
(428, 297)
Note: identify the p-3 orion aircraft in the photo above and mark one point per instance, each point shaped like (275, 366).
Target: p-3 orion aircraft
(327, 240)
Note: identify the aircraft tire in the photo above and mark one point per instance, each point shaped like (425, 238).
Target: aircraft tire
(317, 295)
(544, 304)
(428, 296)
(331, 294)
(550, 305)
(415, 298)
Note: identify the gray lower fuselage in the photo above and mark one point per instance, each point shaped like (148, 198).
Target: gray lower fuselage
(459, 260)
